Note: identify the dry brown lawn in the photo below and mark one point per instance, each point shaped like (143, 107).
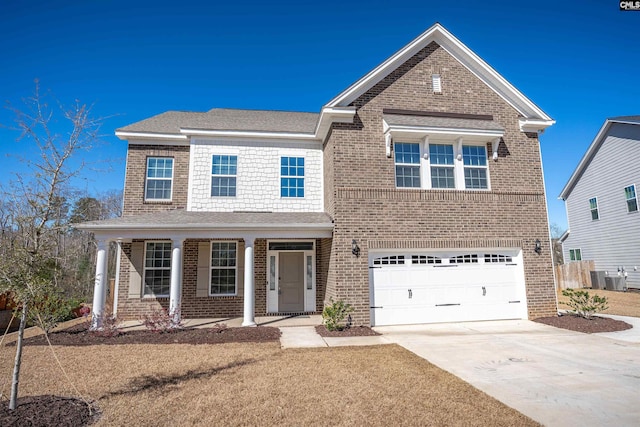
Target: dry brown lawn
(620, 303)
(258, 384)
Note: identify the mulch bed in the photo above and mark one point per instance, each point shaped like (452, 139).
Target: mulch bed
(47, 410)
(354, 331)
(79, 336)
(580, 324)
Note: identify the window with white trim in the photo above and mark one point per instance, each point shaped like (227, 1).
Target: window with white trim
(159, 179)
(223, 176)
(441, 165)
(464, 259)
(157, 269)
(474, 158)
(292, 177)
(224, 268)
(575, 255)
(389, 260)
(593, 207)
(407, 160)
(631, 197)
(497, 258)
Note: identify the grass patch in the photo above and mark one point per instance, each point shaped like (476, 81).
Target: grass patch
(259, 384)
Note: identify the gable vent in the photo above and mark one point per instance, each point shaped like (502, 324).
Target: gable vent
(437, 84)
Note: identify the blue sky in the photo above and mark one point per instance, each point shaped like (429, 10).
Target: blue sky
(578, 61)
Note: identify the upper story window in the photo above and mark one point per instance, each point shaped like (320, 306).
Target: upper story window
(157, 269)
(407, 159)
(224, 267)
(441, 160)
(159, 178)
(440, 165)
(593, 206)
(632, 200)
(223, 176)
(292, 176)
(474, 158)
(575, 255)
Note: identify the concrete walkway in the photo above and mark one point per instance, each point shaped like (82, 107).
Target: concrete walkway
(307, 337)
(555, 376)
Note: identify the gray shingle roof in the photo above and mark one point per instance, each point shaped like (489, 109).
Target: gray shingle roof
(633, 119)
(179, 219)
(441, 122)
(227, 119)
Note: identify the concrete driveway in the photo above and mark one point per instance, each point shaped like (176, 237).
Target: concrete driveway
(555, 376)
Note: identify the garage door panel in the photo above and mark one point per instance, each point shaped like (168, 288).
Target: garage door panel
(430, 293)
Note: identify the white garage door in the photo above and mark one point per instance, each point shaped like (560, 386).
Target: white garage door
(453, 286)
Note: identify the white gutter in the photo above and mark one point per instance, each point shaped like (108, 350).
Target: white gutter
(124, 135)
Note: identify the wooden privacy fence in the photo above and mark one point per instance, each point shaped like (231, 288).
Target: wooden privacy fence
(574, 274)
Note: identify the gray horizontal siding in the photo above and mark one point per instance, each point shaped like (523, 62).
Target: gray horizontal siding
(614, 240)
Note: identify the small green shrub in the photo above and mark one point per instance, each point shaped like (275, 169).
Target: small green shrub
(583, 304)
(333, 315)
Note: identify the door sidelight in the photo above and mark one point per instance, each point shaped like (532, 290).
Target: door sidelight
(484, 291)
(410, 294)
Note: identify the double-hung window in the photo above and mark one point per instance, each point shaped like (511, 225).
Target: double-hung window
(292, 177)
(224, 268)
(442, 166)
(474, 158)
(159, 178)
(223, 176)
(157, 269)
(593, 206)
(575, 255)
(407, 160)
(632, 200)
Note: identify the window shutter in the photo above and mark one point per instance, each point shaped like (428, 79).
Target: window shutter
(204, 267)
(136, 263)
(240, 270)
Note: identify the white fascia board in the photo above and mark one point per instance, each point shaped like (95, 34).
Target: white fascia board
(330, 115)
(585, 160)
(248, 134)
(534, 125)
(437, 33)
(149, 135)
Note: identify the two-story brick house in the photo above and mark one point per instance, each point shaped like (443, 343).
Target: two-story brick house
(416, 195)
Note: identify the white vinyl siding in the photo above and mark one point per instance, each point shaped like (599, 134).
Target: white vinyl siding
(612, 241)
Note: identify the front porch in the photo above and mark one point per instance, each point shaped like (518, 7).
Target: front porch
(234, 322)
(195, 267)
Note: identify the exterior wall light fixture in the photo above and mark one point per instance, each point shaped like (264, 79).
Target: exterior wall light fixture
(355, 249)
(538, 247)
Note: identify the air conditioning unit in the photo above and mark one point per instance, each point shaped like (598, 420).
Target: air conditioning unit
(597, 279)
(615, 284)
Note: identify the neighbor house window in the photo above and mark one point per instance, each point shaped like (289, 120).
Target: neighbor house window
(292, 177)
(630, 195)
(575, 255)
(474, 158)
(441, 160)
(407, 160)
(157, 269)
(223, 176)
(223, 268)
(593, 205)
(159, 178)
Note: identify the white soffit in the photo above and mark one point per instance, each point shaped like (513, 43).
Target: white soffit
(437, 33)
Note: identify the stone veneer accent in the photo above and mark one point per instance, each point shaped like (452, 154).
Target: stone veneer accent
(258, 178)
(367, 207)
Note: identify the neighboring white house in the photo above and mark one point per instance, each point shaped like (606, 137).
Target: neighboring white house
(601, 199)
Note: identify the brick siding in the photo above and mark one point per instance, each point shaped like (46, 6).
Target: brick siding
(367, 207)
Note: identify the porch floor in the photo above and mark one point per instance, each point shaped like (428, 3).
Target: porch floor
(276, 321)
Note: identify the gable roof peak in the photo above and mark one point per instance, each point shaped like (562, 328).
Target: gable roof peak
(531, 113)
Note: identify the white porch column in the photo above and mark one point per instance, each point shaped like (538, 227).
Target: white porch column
(175, 292)
(100, 285)
(249, 285)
